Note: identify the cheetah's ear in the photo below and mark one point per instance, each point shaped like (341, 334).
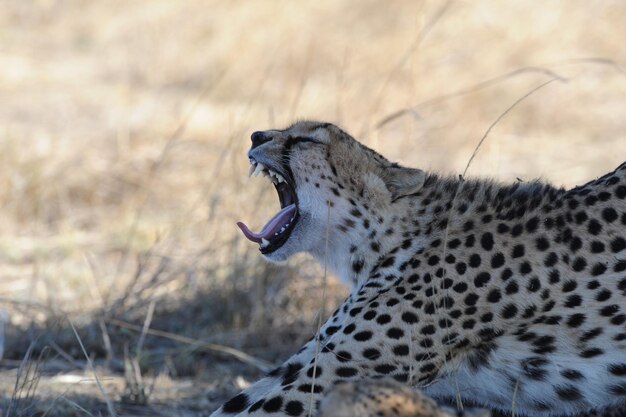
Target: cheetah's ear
(402, 181)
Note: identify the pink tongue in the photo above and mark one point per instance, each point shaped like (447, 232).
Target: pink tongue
(272, 227)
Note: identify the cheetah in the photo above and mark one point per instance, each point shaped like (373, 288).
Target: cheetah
(510, 297)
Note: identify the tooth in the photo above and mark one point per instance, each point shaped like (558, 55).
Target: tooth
(258, 169)
(264, 242)
(280, 178)
(264, 173)
(282, 230)
(251, 169)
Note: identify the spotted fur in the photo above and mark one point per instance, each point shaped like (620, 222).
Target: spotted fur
(495, 295)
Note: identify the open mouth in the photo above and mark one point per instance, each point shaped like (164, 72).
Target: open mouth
(277, 230)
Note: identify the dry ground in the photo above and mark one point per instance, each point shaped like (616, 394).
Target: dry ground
(123, 129)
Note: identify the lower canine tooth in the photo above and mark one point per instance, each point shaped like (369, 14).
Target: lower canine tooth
(251, 169)
(264, 242)
(258, 169)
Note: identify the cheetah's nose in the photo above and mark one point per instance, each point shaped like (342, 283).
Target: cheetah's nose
(259, 138)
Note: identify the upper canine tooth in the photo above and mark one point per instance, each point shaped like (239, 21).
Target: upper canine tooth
(258, 169)
(280, 178)
(251, 169)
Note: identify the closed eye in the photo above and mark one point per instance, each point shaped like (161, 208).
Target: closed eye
(295, 140)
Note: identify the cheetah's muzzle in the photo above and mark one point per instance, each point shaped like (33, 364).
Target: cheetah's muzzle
(277, 230)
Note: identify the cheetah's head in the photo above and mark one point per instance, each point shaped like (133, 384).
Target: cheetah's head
(325, 180)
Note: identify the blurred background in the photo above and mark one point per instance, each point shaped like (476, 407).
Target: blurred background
(125, 287)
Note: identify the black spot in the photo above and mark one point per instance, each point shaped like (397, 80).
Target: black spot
(590, 353)
(482, 279)
(517, 230)
(407, 317)
(469, 324)
(573, 300)
(273, 405)
(385, 369)
(486, 318)
(256, 406)
(597, 247)
(620, 191)
(618, 244)
(236, 404)
(506, 274)
(474, 261)
(471, 299)
(598, 269)
(494, 296)
(569, 286)
(554, 276)
(618, 389)
(568, 393)
(551, 259)
(460, 267)
(542, 244)
(349, 328)
(294, 408)
(603, 295)
(591, 334)
(357, 265)
(594, 227)
(533, 368)
(518, 251)
(461, 287)
(497, 260)
(575, 244)
(609, 214)
(454, 243)
(346, 372)
(532, 224)
(576, 320)
(486, 241)
(362, 336)
(401, 350)
(383, 319)
(511, 288)
(314, 372)
(370, 315)
(395, 333)
(618, 369)
(609, 310)
(509, 311)
(579, 264)
(525, 268)
(308, 388)
(572, 374)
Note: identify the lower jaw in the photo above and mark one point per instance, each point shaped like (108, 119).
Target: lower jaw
(281, 240)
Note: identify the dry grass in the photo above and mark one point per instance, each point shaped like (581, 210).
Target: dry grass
(123, 132)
